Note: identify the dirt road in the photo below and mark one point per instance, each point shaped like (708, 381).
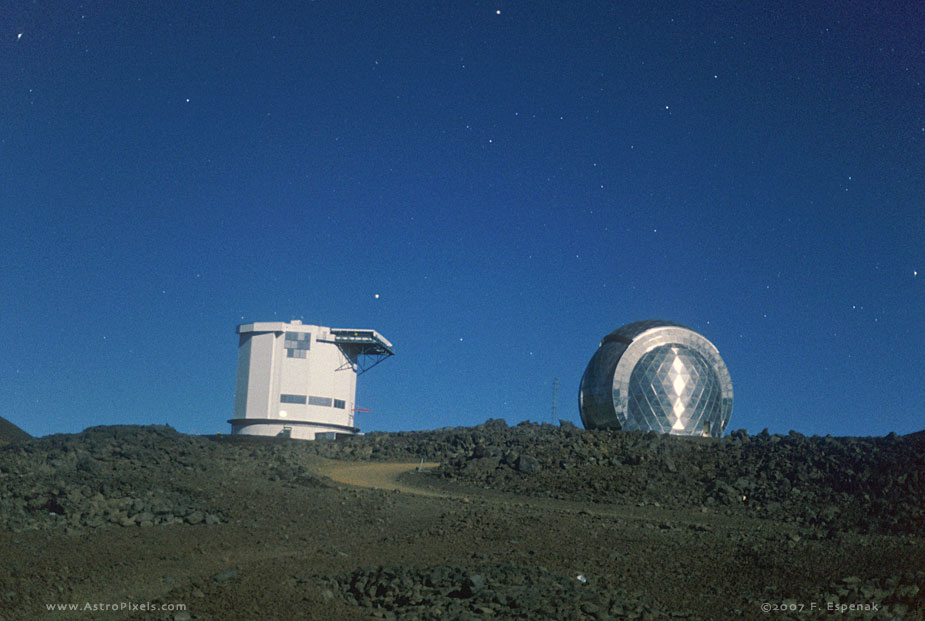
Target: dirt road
(376, 475)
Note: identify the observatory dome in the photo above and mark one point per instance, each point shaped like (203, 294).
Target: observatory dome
(656, 375)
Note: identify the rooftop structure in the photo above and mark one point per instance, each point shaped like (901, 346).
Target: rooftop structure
(656, 375)
(298, 380)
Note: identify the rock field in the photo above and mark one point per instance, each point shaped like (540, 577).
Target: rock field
(521, 522)
(118, 475)
(861, 484)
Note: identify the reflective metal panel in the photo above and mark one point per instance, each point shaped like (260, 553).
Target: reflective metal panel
(656, 375)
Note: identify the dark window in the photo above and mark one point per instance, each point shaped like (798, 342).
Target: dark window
(297, 343)
(325, 401)
(340, 403)
(292, 398)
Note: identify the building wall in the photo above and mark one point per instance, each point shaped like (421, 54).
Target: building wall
(241, 381)
(257, 376)
(296, 379)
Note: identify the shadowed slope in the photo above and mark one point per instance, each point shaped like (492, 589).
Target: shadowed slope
(10, 433)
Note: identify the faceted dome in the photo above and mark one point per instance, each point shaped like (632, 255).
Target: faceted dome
(656, 375)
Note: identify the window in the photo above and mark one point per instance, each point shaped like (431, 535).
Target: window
(292, 398)
(297, 344)
(340, 403)
(325, 401)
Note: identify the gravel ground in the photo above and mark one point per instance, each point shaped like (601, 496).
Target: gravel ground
(532, 521)
(858, 484)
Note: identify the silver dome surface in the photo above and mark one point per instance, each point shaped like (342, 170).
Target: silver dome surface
(656, 375)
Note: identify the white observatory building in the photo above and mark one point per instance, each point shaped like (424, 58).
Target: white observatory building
(300, 381)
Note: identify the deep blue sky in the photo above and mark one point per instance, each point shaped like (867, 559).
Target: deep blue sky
(512, 185)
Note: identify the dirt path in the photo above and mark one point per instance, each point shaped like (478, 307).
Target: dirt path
(388, 476)
(377, 475)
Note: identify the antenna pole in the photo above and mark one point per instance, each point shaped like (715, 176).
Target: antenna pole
(555, 400)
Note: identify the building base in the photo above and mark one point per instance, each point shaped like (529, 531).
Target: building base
(299, 430)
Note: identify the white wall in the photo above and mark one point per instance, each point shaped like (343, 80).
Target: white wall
(265, 372)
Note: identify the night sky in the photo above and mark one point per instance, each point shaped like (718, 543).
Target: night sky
(492, 186)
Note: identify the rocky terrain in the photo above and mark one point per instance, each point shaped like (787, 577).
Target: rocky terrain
(11, 433)
(524, 522)
(860, 484)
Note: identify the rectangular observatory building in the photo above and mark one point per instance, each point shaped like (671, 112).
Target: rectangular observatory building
(298, 380)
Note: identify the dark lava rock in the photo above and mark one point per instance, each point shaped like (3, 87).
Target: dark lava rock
(11, 434)
(834, 484)
(901, 596)
(126, 476)
(132, 476)
(499, 591)
(528, 464)
(225, 576)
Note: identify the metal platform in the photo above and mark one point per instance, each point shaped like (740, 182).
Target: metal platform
(363, 349)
